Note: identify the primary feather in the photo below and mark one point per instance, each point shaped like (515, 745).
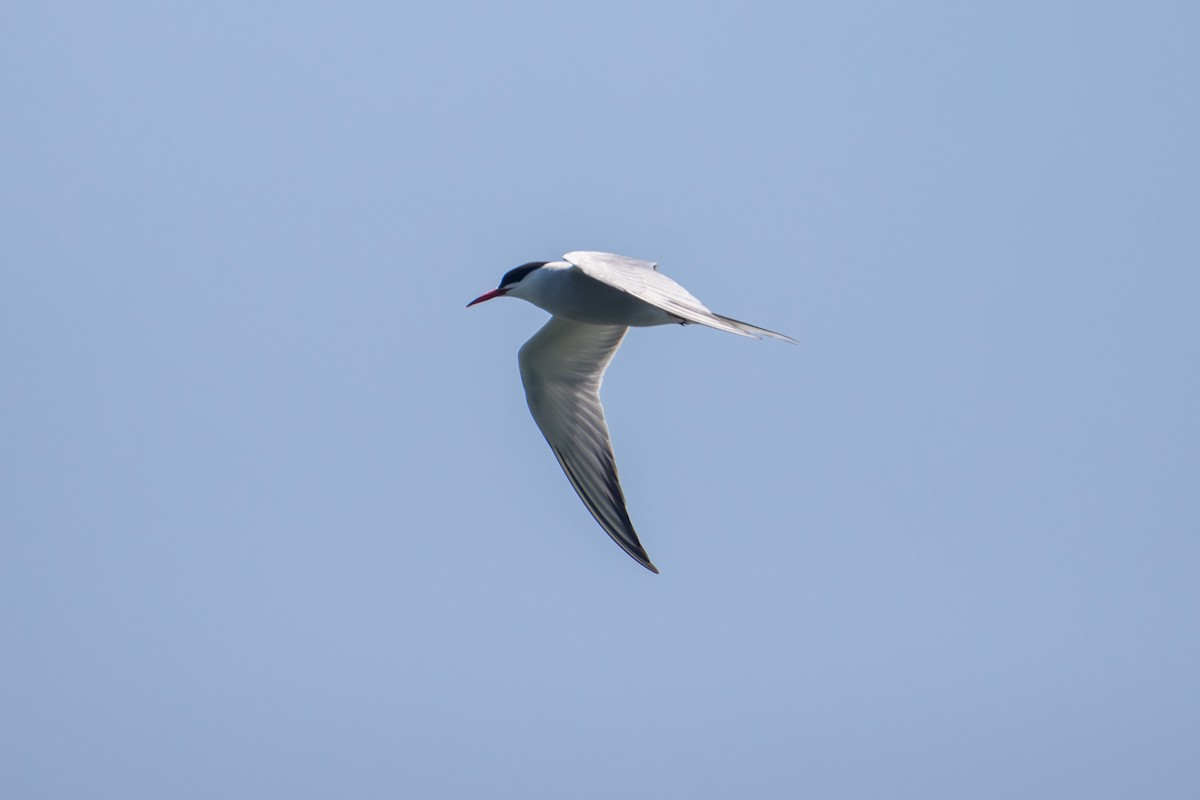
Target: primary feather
(643, 280)
(562, 367)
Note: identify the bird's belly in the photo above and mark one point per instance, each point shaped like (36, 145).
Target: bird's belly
(595, 303)
(642, 317)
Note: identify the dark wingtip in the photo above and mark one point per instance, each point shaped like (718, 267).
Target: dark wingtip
(755, 331)
(637, 553)
(641, 556)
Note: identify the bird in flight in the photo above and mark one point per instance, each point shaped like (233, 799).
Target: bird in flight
(594, 299)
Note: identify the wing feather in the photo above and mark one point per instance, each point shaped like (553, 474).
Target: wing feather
(643, 280)
(562, 367)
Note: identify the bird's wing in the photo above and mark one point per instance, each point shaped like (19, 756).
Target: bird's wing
(643, 280)
(562, 366)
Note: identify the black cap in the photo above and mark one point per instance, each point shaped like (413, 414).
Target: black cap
(516, 274)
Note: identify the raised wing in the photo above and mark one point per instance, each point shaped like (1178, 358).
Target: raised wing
(562, 367)
(643, 280)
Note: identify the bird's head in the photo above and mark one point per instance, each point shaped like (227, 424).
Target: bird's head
(510, 280)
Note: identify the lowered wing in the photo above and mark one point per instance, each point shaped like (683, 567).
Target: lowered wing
(562, 367)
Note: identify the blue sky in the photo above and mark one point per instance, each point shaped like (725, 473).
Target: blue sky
(276, 521)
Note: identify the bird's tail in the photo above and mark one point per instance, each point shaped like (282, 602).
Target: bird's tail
(754, 330)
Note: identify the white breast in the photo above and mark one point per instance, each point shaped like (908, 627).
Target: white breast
(566, 292)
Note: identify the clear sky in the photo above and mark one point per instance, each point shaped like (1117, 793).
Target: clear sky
(277, 523)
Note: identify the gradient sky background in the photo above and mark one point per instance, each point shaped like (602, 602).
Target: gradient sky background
(277, 523)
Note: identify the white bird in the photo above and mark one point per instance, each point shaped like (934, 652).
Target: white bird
(594, 299)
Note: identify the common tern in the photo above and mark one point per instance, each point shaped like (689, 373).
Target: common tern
(594, 299)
